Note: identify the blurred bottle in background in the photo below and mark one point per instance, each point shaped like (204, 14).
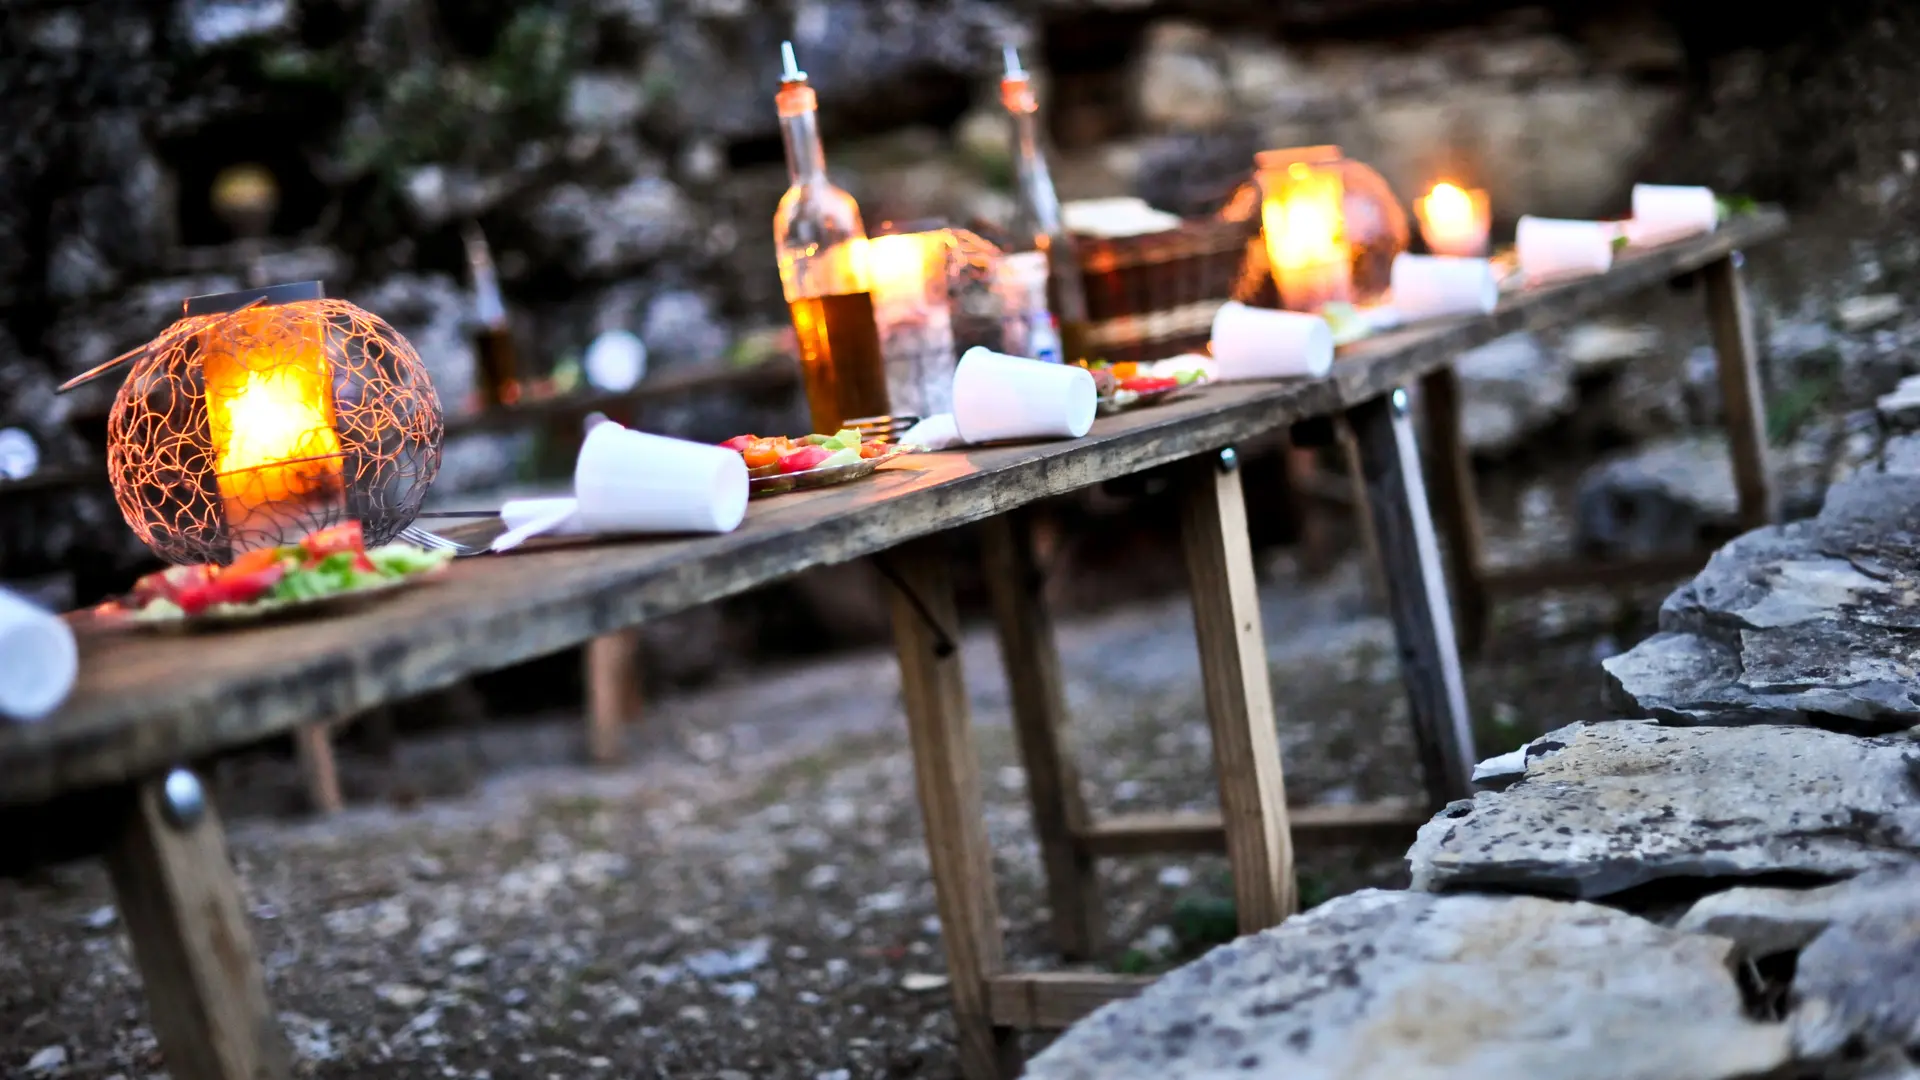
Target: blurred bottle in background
(1036, 235)
(493, 350)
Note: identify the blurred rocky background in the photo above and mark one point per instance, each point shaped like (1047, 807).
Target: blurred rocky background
(622, 157)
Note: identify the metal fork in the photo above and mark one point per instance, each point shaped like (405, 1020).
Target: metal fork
(419, 537)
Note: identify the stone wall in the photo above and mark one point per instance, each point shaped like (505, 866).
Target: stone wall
(1726, 886)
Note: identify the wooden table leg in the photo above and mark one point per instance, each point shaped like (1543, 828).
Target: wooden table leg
(613, 692)
(181, 904)
(313, 747)
(947, 774)
(1741, 403)
(1233, 667)
(1416, 594)
(1032, 662)
(1457, 505)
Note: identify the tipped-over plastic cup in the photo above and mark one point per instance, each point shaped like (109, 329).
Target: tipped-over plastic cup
(38, 659)
(1262, 343)
(1436, 286)
(1665, 212)
(1554, 248)
(628, 481)
(997, 398)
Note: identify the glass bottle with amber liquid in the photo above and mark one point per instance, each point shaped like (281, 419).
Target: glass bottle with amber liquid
(1036, 226)
(824, 270)
(493, 343)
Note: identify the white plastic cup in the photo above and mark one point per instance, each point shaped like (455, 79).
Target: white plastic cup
(38, 659)
(998, 397)
(1667, 212)
(628, 481)
(1436, 286)
(1554, 248)
(1262, 343)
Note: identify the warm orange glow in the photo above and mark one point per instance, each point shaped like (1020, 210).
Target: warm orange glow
(270, 419)
(905, 269)
(1303, 219)
(1454, 221)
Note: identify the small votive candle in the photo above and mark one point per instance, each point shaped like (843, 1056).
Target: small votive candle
(1454, 221)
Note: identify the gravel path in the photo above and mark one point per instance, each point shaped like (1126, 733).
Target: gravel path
(749, 897)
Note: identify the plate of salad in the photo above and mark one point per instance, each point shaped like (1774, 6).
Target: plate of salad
(329, 570)
(1128, 385)
(781, 464)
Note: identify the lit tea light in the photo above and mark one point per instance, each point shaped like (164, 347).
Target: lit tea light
(1302, 216)
(1454, 220)
(276, 455)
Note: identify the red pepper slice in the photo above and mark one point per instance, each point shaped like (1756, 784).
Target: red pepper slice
(168, 584)
(805, 458)
(740, 443)
(346, 536)
(231, 588)
(1148, 384)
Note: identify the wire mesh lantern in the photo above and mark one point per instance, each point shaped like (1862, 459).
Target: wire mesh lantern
(265, 414)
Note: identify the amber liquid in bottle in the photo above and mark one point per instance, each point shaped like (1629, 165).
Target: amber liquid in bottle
(493, 349)
(840, 359)
(824, 272)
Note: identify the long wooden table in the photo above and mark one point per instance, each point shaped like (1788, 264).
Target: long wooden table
(108, 774)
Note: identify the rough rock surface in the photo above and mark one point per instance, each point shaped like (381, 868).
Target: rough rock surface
(1659, 497)
(1819, 619)
(1608, 807)
(1857, 973)
(1511, 388)
(1393, 985)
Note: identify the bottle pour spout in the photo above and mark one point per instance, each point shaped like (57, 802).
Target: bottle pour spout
(790, 68)
(1012, 55)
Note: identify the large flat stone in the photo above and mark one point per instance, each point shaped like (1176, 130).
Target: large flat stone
(1818, 621)
(1689, 679)
(1410, 986)
(1856, 980)
(1607, 807)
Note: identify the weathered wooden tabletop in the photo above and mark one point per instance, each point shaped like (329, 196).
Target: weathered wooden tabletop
(146, 702)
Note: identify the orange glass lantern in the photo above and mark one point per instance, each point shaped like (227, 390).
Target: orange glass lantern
(1331, 227)
(262, 415)
(1454, 220)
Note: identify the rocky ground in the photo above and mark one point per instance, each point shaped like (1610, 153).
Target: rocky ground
(749, 897)
(1726, 888)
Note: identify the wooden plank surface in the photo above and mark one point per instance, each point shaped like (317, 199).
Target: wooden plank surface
(180, 901)
(145, 702)
(1742, 411)
(1198, 832)
(1416, 595)
(1028, 653)
(1056, 1000)
(946, 771)
(1233, 669)
(1456, 506)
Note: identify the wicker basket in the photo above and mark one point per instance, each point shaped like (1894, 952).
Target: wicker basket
(1154, 296)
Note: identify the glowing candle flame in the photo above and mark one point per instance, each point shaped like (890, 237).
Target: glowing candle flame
(1304, 220)
(1453, 220)
(277, 457)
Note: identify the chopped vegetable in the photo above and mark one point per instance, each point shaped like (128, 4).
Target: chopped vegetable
(345, 537)
(328, 562)
(807, 457)
(1148, 384)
